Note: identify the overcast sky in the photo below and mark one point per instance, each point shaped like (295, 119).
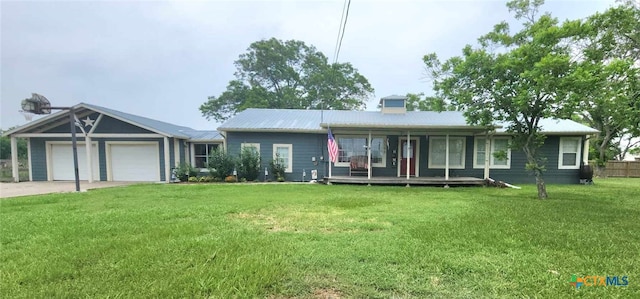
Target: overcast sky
(163, 59)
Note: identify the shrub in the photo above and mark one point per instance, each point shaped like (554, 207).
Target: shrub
(185, 171)
(277, 168)
(193, 179)
(249, 164)
(230, 179)
(220, 164)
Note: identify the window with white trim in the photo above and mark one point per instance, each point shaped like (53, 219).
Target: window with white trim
(255, 146)
(349, 146)
(496, 145)
(437, 152)
(202, 152)
(284, 152)
(569, 156)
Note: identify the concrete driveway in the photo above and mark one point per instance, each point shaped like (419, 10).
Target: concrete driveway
(32, 188)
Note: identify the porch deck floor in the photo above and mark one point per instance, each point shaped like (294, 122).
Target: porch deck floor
(432, 181)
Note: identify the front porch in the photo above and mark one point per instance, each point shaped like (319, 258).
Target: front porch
(418, 181)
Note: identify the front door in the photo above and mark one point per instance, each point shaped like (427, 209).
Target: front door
(408, 154)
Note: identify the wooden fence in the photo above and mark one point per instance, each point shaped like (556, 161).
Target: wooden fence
(627, 169)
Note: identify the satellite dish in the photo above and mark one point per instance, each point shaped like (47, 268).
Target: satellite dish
(36, 104)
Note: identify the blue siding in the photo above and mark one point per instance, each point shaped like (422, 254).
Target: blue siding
(172, 151)
(66, 128)
(306, 146)
(38, 159)
(181, 150)
(102, 153)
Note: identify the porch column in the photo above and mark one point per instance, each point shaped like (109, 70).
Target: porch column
(176, 152)
(14, 159)
(369, 157)
(167, 167)
(446, 159)
(487, 153)
(585, 150)
(29, 159)
(408, 154)
(87, 142)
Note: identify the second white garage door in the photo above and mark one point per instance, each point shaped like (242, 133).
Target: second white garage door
(138, 162)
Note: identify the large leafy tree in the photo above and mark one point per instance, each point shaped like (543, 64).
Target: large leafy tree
(420, 102)
(288, 74)
(5, 147)
(513, 78)
(607, 77)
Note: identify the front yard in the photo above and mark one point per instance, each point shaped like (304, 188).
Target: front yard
(295, 240)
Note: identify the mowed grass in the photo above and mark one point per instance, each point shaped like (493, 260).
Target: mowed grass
(316, 241)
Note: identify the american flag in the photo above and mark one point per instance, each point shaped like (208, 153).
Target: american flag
(332, 146)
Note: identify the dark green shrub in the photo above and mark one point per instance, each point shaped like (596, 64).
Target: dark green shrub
(185, 171)
(249, 164)
(277, 168)
(220, 164)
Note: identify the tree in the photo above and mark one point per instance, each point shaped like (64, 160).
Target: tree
(288, 74)
(518, 85)
(419, 102)
(5, 147)
(607, 78)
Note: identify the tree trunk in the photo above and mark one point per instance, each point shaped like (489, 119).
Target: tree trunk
(537, 171)
(542, 188)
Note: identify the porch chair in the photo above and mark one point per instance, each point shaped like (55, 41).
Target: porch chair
(358, 165)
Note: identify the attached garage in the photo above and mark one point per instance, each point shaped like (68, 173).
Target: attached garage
(125, 147)
(136, 161)
(61, 166)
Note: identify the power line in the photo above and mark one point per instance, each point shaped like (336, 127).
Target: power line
(335, 49)
(341, 30)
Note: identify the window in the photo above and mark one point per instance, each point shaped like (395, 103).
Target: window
(255, 146)
(394, 103)
(202, 152)
(357, 146)
(437, 152)
(496, 145)
(569, 153)
(284, 152)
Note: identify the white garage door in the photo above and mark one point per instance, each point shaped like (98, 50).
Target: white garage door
(134, 162)
(62, 162)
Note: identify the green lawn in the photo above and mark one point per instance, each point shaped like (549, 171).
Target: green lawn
(293, 240)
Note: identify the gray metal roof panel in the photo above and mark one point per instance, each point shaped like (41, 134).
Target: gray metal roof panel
(314, 120)
(148, 123)
(201, 135)
(156, 125)
(560, 126)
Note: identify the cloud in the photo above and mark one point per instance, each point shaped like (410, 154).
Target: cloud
(162, 59)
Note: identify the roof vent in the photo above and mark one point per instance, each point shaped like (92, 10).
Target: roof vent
(394, 104)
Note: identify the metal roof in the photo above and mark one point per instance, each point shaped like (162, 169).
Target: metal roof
(160, 127)
(200, 135)
(560, 126)
(298, 120)
(157, 126)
